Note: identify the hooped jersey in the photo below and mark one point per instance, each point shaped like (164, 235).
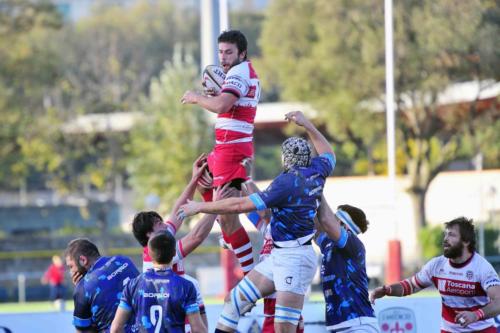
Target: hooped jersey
(462, 287)
(237, 124)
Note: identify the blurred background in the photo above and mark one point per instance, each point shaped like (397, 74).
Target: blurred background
(92, 129)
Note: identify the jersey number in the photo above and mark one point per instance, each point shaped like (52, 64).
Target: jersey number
(155, 310)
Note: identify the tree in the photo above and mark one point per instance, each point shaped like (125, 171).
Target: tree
(107, 61)
(170, 136)
(331, 54)
(28, 72)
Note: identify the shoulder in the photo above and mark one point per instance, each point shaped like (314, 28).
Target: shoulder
(481, 264)
(243, 70)
(324, 158)
(435, 263)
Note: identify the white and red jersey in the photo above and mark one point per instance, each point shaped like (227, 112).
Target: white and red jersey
(236, 125)
(462, 287)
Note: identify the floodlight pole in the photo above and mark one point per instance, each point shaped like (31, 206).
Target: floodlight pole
(394, 257)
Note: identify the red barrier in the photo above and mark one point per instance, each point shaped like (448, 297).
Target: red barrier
(393, 270)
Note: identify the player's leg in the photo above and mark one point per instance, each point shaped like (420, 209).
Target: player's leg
(268, 324)
(225, 164)
(241, 299)
(294, 269)
(235, 235)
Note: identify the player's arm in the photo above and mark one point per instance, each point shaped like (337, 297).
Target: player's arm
(491, 310)
(201, 230)
(403, 288)
(196, 323)
(199, 167)
(328, 221)
(122, 316)
(82, 315)
(225, 206)
(318, 140)
(217, 104)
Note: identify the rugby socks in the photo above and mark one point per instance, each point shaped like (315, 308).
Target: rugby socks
(242, 248)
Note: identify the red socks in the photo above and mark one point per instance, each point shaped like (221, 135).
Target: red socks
(242, 248)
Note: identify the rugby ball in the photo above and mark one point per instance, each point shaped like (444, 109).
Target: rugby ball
(213, 78)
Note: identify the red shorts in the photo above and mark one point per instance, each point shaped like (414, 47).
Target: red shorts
(224, 161)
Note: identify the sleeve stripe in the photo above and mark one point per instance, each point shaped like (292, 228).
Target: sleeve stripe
(231, 91)
(417, 282)
(79, 322)
(171, 228)
(254, 218)
(180, 249)
(343, 238)
(257, 201)
(331, 158)
(125, 306)
(192, 308)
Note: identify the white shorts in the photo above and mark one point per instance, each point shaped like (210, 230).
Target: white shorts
(291, 269)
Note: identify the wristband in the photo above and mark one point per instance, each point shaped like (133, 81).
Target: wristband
(479, 314)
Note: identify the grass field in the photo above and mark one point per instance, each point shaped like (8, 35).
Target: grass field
(48, 306)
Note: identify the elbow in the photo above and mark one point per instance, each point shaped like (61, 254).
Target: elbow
(223, 108)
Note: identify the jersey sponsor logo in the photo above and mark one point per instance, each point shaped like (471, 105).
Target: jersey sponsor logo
(235, 82)
(155, 295)
(442, 285)
(461, 288)
(456, 273)
(117, 271)
(397, 320)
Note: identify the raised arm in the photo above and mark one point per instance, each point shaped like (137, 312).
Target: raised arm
(318, 140)
(199, 167)
(217, 104)
(328, 221)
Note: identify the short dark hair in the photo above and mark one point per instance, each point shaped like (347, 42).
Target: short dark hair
(357, 216)
(81, 247)
(234, 37)
(162, 247)
(466, 229)
(143, 224)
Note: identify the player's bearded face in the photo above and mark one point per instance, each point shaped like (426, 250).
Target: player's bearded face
(453, 246)
(229, 56)
(453, 251)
